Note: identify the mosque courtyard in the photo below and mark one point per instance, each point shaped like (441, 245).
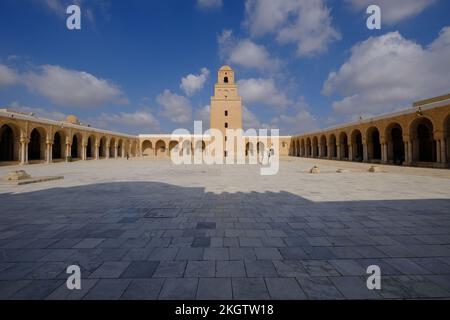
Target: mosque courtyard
(147, 229)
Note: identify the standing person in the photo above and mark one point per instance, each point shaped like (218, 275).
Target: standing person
(271, 152)
(128, 156)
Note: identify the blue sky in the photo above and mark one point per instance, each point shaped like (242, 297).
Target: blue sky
(150, 66)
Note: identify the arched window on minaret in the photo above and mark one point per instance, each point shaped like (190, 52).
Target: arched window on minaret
(225, 80)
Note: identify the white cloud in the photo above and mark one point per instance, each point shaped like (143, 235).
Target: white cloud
(141, 120)
(54, 5)
(193, 83)
(390, 72)
(38, 111)
(8, 76)
(204, 115)
(176, 108)
(210, 4)
(393, 11)
(73, 88)
(245, 53)
(301, 122)
(59, 8)
(306, 23)
(249, 119)
(297, 119)
(263, 91)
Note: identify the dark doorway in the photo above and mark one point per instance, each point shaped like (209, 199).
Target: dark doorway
(358, 147)
(102, 147)
(34, 147)
(56, 148)
(6, 144)
(425, 137)
(344, 146)
(89, 148)
(376, 145)
(74, 149)
(398, 146)
(333, 146)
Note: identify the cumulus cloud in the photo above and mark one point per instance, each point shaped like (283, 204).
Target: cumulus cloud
(56, 6)
(245, 52)
(176, 108)
(393, 11)
(306, 23)
(296, 120)
(210, 4)
(133, 122)
(8, 76)
(389, 72)
(301, 122)
(193, 83)
(59, 7)
(263, 91)
(249, 119)
(204, 115)
(38, 111)
(73, 88)
(141, 120)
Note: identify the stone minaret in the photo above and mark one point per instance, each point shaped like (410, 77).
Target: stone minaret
(226, 105)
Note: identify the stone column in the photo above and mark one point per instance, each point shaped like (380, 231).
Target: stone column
(115, 152)
(24, 151)
(68, 149)
(97, 151)
(365, 153)
(384, 152)
(83, 152)
(438, 150)
(444, 150)
(320, 151)
(410, 152)
(350, 152)
(406, 144)
(107, 151)
(49, 152)
(338, 152)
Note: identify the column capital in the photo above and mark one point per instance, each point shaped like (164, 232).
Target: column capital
(438, 135)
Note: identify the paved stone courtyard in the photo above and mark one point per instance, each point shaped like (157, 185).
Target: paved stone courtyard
(146, 229)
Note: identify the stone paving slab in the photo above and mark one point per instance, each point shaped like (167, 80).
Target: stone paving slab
(158, 231)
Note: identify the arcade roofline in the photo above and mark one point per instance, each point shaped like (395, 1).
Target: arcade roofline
(423, 105)
(168, 136)
(13, 114)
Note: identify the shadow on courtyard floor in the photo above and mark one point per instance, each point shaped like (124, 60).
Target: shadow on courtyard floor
(149, 240)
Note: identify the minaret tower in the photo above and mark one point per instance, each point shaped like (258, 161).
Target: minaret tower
(226, 105)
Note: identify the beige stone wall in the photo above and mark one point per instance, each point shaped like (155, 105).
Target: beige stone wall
(162, 145)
